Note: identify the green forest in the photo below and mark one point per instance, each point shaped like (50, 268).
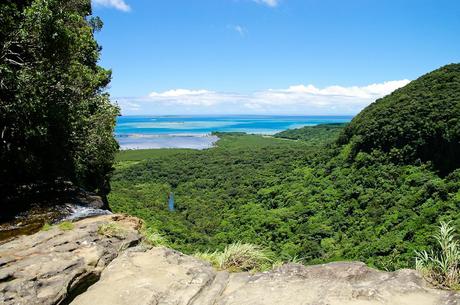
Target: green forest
(56, 119)
(321, 134)
(373, 190)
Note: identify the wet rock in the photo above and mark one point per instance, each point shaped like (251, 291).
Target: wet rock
(51, 267)
(70, 204)
(83, 198)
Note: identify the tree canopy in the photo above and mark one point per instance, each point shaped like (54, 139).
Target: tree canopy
(56, 121)
(366, 198)
(315, 135)
(418, 122)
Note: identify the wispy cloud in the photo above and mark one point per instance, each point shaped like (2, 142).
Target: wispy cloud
(271, 3)
(298, 99)
(238, 28)
(120, 5)
(131, 107)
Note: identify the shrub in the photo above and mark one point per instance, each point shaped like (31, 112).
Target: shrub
(442, 267)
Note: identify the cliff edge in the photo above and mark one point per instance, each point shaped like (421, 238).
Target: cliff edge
(102, 260)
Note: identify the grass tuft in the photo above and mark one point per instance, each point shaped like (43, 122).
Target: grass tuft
(153, 238)
(112, 229)
(442, 268)
(211, 257)
(66, 226)
(239, 257)
(46, 227)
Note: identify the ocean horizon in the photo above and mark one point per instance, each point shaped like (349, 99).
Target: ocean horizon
(195, 131)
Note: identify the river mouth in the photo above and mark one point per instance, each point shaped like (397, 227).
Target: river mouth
(33, 220)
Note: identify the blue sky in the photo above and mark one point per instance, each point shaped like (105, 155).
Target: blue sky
(269, 56)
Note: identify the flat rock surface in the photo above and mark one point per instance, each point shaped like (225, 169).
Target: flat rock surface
(87, 266)
(163, 276)
(50, 267)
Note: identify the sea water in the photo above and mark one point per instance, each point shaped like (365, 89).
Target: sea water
(142, 132)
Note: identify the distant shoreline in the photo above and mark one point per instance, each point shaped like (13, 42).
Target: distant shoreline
(155, 141)
(202, 132)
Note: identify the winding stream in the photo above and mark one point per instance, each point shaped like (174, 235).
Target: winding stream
(171, 202)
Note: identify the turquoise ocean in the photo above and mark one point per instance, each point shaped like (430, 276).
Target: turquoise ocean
(141, 132)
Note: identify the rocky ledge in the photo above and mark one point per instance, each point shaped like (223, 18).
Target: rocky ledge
(102, 261)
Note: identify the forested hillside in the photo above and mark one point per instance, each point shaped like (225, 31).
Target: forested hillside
(315, 135)
(418, 123)
(56, 122)
(307, 201)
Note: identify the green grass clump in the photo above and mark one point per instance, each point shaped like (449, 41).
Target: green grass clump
(46, 227)
(66, 226)
(153, 238)
(211, 257)
(239, 257)
(442, 268)
(112, 229)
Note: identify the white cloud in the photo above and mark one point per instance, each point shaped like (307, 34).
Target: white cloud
(271, 3)
(132, 107)
(178, 93)
(117, 4)
(238, 28)
(370, 91)
(185, 97)
(298, 99)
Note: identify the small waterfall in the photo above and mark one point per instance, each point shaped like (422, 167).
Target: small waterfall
(171, 201)
(79, 212)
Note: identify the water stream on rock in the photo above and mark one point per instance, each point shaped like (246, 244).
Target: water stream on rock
(33, 220)
(79, 212)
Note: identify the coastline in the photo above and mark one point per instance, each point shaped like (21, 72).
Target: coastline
(202, 132)
(166, 141)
